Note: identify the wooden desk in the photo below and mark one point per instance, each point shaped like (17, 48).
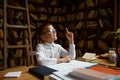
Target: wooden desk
(100, 61)
(27, 76)
(104, 62)
(24, 76)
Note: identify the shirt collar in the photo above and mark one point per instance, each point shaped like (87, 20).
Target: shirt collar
(49, 45)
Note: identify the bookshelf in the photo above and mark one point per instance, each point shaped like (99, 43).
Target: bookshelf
(42, 12)
(90, 20)
(17, 33)
(93, 21)
(1, 36)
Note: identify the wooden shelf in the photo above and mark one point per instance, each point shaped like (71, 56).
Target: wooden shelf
(17, 26)
(17, 46)
(17, 8)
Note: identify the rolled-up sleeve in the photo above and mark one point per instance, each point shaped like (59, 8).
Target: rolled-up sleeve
(72, 51)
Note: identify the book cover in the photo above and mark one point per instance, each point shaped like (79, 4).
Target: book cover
(41, 71)
(106, 69)
(89, 74)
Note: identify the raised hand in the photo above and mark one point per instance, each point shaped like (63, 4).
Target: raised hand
(70, 36)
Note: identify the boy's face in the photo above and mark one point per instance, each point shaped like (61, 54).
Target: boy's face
(49, 34)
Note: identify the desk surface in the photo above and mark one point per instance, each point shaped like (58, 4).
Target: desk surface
(24, 76)
(27, 76)
(100, 61)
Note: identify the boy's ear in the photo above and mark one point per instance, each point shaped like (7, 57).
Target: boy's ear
(41, 36)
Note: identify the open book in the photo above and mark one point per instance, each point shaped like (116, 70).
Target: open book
(89, 56)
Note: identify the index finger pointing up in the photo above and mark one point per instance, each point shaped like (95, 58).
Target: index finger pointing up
(67, 30)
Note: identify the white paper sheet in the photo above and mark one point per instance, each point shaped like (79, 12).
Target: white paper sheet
(65, 68)
(13, 74)
(72, 65)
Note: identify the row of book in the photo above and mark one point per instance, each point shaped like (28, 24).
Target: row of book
(79, 53)
(15, 33)
(17, 62)
(18, 3)
(49, 9)
(1, 12)
(101, 23)
(45, 17)
(91, 14)
(105, 23)
(103, 12)
(90, 44)
(38, 1)
(16, 14)
(1, 43)
(95, 2)
(79, 16)
(107, 12)
(91, 3)
(72, 17)
(1, 33)
(16, 57)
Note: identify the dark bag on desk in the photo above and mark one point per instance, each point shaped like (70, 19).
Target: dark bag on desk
(41, 71)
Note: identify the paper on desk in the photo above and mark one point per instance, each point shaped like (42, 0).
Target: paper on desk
(13, 74)
(89, 56)
(72, 65)
(62, 75)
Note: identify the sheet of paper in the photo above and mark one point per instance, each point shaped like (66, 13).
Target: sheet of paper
(72, 65)
(13, 74)
(65, 68)
(63, 75)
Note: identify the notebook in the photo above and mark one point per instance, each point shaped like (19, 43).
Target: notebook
(41, 71)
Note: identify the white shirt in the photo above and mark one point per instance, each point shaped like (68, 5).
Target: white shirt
(48, 53)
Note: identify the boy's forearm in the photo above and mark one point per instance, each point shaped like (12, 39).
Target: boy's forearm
(71, 41)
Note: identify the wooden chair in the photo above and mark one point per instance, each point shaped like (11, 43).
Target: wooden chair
(32, 59)
(32, 55)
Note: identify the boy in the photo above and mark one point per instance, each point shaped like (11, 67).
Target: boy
(48, 52)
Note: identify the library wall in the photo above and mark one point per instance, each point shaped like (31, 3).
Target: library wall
(91, 21)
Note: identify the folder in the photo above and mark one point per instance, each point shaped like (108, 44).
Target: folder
(41, 71)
